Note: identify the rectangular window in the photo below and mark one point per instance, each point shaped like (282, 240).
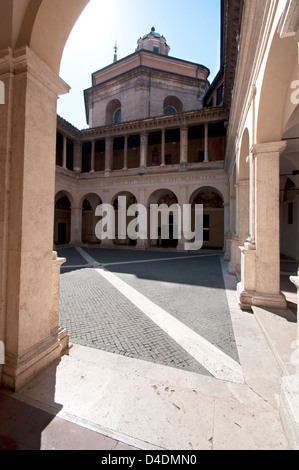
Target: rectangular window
(156, 50)
(290, 213)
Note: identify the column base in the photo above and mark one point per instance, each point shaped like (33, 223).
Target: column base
(276, 301)
(249, 299)
(18, 371)
(107, 243)
(244, 298)
(227, 253)
(142, 244)
(183, 166)
(235, 257)
(289, 409)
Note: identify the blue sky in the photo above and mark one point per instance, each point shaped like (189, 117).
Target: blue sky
(191, 28)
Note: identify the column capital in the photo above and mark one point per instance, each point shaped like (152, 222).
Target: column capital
(269, 147)
(24, 61)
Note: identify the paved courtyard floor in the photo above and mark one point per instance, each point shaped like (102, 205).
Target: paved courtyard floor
(181, 299)
(162, 358)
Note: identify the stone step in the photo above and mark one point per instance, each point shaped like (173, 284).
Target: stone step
(280, 330)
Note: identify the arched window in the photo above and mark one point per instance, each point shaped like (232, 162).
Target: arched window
(117, 116)
(169, 110)
(172, 104)
(113, 112)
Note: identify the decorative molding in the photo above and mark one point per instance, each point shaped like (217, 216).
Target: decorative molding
(25, 61)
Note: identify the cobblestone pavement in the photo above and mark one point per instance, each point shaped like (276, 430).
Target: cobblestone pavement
(190, 288)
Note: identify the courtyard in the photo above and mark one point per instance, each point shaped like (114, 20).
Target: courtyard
(187, 291)
(161, 358)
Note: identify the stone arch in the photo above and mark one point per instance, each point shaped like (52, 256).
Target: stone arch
(169, 198)
(162, 196)
(275, 88)
(289, 190)
(130, 199)
(41, 19)
(64, 193)
(213, 215)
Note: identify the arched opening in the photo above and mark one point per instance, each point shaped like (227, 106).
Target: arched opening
(113, 112)
(276, 87)
(89, 220)
(122, 218)
(167, 229)
(62, 219)
(289, 191)
(172, 105)
(213, 216)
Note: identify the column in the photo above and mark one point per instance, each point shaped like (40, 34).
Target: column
(163, 147)
(234, 264)
(29, 268)
(242, 224)
(260, 269)
(108, 155)
(243, 212)
(76, 225)
(232, 210)
(182, 201)
(142, 243)
(143, 151)
(206, 143)
(64, 152)
(106, 243)
(125, 153)
(92, 156)
(251, 238)
(183, 147)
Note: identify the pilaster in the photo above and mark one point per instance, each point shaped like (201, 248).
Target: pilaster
(260, 258)
(29, 330)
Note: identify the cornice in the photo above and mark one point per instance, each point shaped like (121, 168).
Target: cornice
(157, 123)
(67, 128)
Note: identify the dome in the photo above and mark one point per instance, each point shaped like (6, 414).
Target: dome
(153, 32)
